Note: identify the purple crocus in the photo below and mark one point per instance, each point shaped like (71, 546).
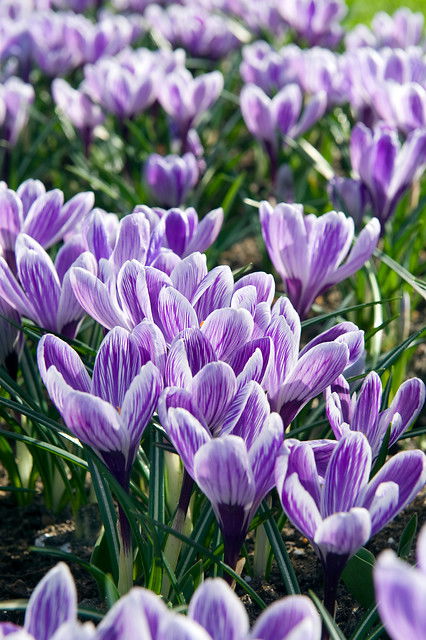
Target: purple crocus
(283, 113)
(308, 251)
(267, 68)
(315, 21)
(51, 607)
(186, 99)
(402, 106)
(39, 291)
(78, 108)
(340, 512)
(228, 441)
(401, 593)
(17, 98)
(38, 213)
(364, 412)
(170, 178)
(386, 167)
(109, 412)
(201, 33)
(401, 30)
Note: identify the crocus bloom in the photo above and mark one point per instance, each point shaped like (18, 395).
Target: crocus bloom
(201, 33)
(78, 108)
(401, 593)
(269, 69)
(170, 178)
(284, 112)
(186, 99)
(52, 605)
(340, 513)
(110, 411)
(308, 251)
(17, 97)
(294, 378)
(38, 291)
(315, 21)
(38, 213)
(363, 412)
(385, 167)
(402, 30)
(234, 470)
(402, 106)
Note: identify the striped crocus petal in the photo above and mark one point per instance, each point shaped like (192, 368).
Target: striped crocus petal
(219, 611)
(292, 618)
(52, 603)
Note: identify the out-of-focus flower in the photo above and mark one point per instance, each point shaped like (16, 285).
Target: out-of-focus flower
(386, 167)
(78, 108)
(186, 99)
(402, 106)
(170, 178)
(285, 113)
(269, 69)
(401, 592)
(201, 33)
(315, 21)
(340, 512)
(363, 412)
(38, 292)
(350, 196)
(401, 30)
(17, 98)
(308, 251)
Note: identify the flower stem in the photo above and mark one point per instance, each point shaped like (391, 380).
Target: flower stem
(173, 544)
(125, 560)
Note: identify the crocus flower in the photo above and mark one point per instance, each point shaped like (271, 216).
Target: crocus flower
(52, 605)
(201, 33)
(294, 378)
(120, 89)
(362, 411)
(401, 593)
(38, 291)
(308, 251)
(267, 68)
(17, 97)
(109, 412)
(340, 512)
(170, 178)
(350, 196)
(83, 114)
(235, 470)
(38, 213)
(401, 30)
(186, 99)
(402, 106)
(386, 167)
(315, 21)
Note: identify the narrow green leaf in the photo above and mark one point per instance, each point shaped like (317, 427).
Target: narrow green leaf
(334, 631)
(407, 537)
(280, 553)
(358, 577)
(367, 622)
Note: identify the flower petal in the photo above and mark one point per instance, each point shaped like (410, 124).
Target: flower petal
(343, 533)
(294, 617)
(227, 330)
(213, 389)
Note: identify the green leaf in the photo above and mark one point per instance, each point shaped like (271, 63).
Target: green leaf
(367, 622)
(418, 285)
(280, 553)
(358, 577)
(407, 537)
(334, 632)
(381, 458)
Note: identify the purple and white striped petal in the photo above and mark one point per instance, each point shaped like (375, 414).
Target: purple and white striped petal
(43, 216)
(214, 292)
(187, 435)
(219, 611)
(291, 618)
(95, 298)
(213, 389)
(298, 503)
(177, 627)
(347, 474)
(176, 312)
(343, 533)
(95, 422)
(126, 619)
(53, 602)
(406, 406)
(132, 241)
(189, 273)
(227, 330)
(263, 455)
(206, 233)
(53, 351)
